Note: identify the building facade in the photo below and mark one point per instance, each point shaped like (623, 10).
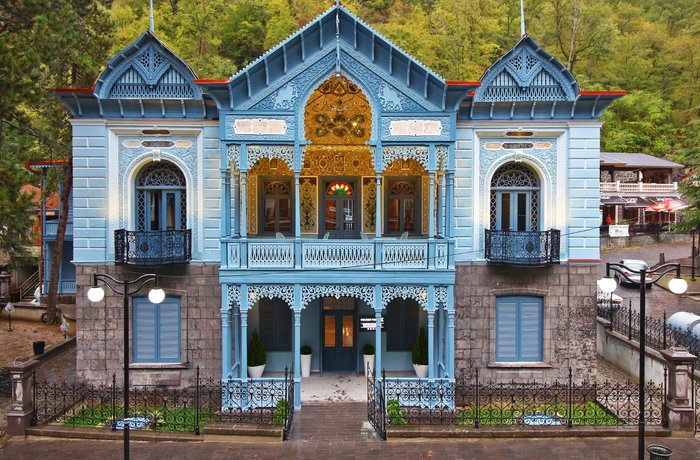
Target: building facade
(335, 193)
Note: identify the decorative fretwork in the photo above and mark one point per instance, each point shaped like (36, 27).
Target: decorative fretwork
(515, 174)
(234, 295)
(522, 248)
(402, 188)
(364, 293)
(405, 152)
(234, 157)
(161, 174)
(442, 156)
(276, 188)
(441, 296)
(153, 75)
(308, 203)
(271, 291)
(338, 113)
(270, 167)
(325, 160)
(417, 293)
(282, 152)
(404, 168)
(369, 204)
(527, 74)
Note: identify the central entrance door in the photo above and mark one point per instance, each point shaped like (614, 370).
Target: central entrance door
(339, 334)
(340, 216)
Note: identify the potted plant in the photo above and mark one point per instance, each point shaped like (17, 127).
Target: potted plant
(419, 354)
(368, 356)
(256, 357)
(305, 360)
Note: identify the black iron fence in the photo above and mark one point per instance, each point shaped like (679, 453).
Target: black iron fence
(659, 335)
(152, 248)
(466, 401)
(207, 400)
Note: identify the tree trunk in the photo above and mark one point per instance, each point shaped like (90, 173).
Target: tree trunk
(51, 314)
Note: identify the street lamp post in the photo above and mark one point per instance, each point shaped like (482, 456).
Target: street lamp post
(677, 285)
(125, 289)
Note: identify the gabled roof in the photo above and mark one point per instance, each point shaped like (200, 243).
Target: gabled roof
(339, 31)
(147, 69)
(527, 73)
(635, 160)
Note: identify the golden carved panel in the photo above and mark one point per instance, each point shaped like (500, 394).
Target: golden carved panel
(401, 167)
(337, 160)
(369, 204)
(337, 113)
(308, 201)
(252, 204)
(270, 167)
(425, 212)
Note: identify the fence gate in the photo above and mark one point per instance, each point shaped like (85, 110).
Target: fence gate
(375, 404)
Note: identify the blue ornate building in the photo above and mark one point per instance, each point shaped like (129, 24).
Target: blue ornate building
(335, 193)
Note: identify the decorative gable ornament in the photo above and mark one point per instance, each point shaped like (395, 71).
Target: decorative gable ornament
(147, 69)
(527, 73)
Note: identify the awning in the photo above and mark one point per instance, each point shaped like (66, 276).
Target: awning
(669, 205)
(627, 201)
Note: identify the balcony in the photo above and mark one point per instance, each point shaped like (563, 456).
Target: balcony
(166, 247)
(522, 248)
(637, 187)
(314, 254)
(51, 228)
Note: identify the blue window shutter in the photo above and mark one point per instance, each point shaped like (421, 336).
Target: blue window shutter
(531, 329)
(144, 330)
(169, 330)
(506, 329)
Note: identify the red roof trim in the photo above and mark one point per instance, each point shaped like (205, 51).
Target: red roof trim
(463, 83)
(71, 90)
(204, 82)
(603, 93)
(29, 165)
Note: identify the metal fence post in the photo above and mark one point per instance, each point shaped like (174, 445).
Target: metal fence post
(196, 403)
(570, 421)
(664, 330)
(114, 402)
(664, 411)
(629, 320)
(477, 409)
(33, 421)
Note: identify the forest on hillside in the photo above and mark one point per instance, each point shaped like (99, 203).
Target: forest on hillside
(650, 48)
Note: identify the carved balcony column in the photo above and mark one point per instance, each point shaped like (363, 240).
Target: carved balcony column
(378, 330)
(226, 335)
(431, 332)
(378, 167)
(244, 331)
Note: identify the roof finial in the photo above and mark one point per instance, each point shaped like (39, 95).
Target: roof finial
(522, 19)
(150, 16)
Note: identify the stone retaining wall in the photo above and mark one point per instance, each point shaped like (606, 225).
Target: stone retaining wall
(608, 243)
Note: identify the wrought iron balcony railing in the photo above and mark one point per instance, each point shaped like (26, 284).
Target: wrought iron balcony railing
(166, 247)
(522, 248)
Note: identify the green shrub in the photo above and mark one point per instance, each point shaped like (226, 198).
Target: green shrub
(420, 348)
(368, 349)
(280, 415)
(256, 351)
(305, 350)
(394, 412)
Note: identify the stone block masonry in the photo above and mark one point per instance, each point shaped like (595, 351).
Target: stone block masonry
(100, 325)
(569, 320)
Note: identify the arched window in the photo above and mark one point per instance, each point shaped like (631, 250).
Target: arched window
(161, 195)
(277, 206)
(515, 197)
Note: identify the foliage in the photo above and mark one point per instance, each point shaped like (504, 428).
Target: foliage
(589, 414)
(256, 352)
(419, 353)
(280, 415)
(395, 413)
(368, 349)
(164, 419)
(305, 350)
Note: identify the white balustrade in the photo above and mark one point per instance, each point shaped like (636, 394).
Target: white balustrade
(330, 254)
(51, 228)
(405, 255)
(270, 254)
(637, 187)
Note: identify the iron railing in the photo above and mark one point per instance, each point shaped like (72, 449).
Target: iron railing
(166, 409)
(152, 248)
(522, 248)
(376, 404)
(659, 335)
(466, 401)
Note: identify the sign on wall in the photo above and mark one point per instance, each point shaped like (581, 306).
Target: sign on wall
(618, 230)
(369, 324)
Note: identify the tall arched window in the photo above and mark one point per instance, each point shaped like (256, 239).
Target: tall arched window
(402, 206)
(515, 197)
(161, 195)
(276, 214)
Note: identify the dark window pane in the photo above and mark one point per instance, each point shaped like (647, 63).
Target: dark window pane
(275, 325)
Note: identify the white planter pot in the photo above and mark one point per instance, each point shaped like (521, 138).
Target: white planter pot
(368, 360)
(421, 370)
(305, 365)
(255, 372)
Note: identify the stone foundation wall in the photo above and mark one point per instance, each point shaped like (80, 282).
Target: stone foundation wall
(569, 319)
(100, 326)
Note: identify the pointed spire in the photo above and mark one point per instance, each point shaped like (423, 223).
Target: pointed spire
(522, 19)
(150, 16)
